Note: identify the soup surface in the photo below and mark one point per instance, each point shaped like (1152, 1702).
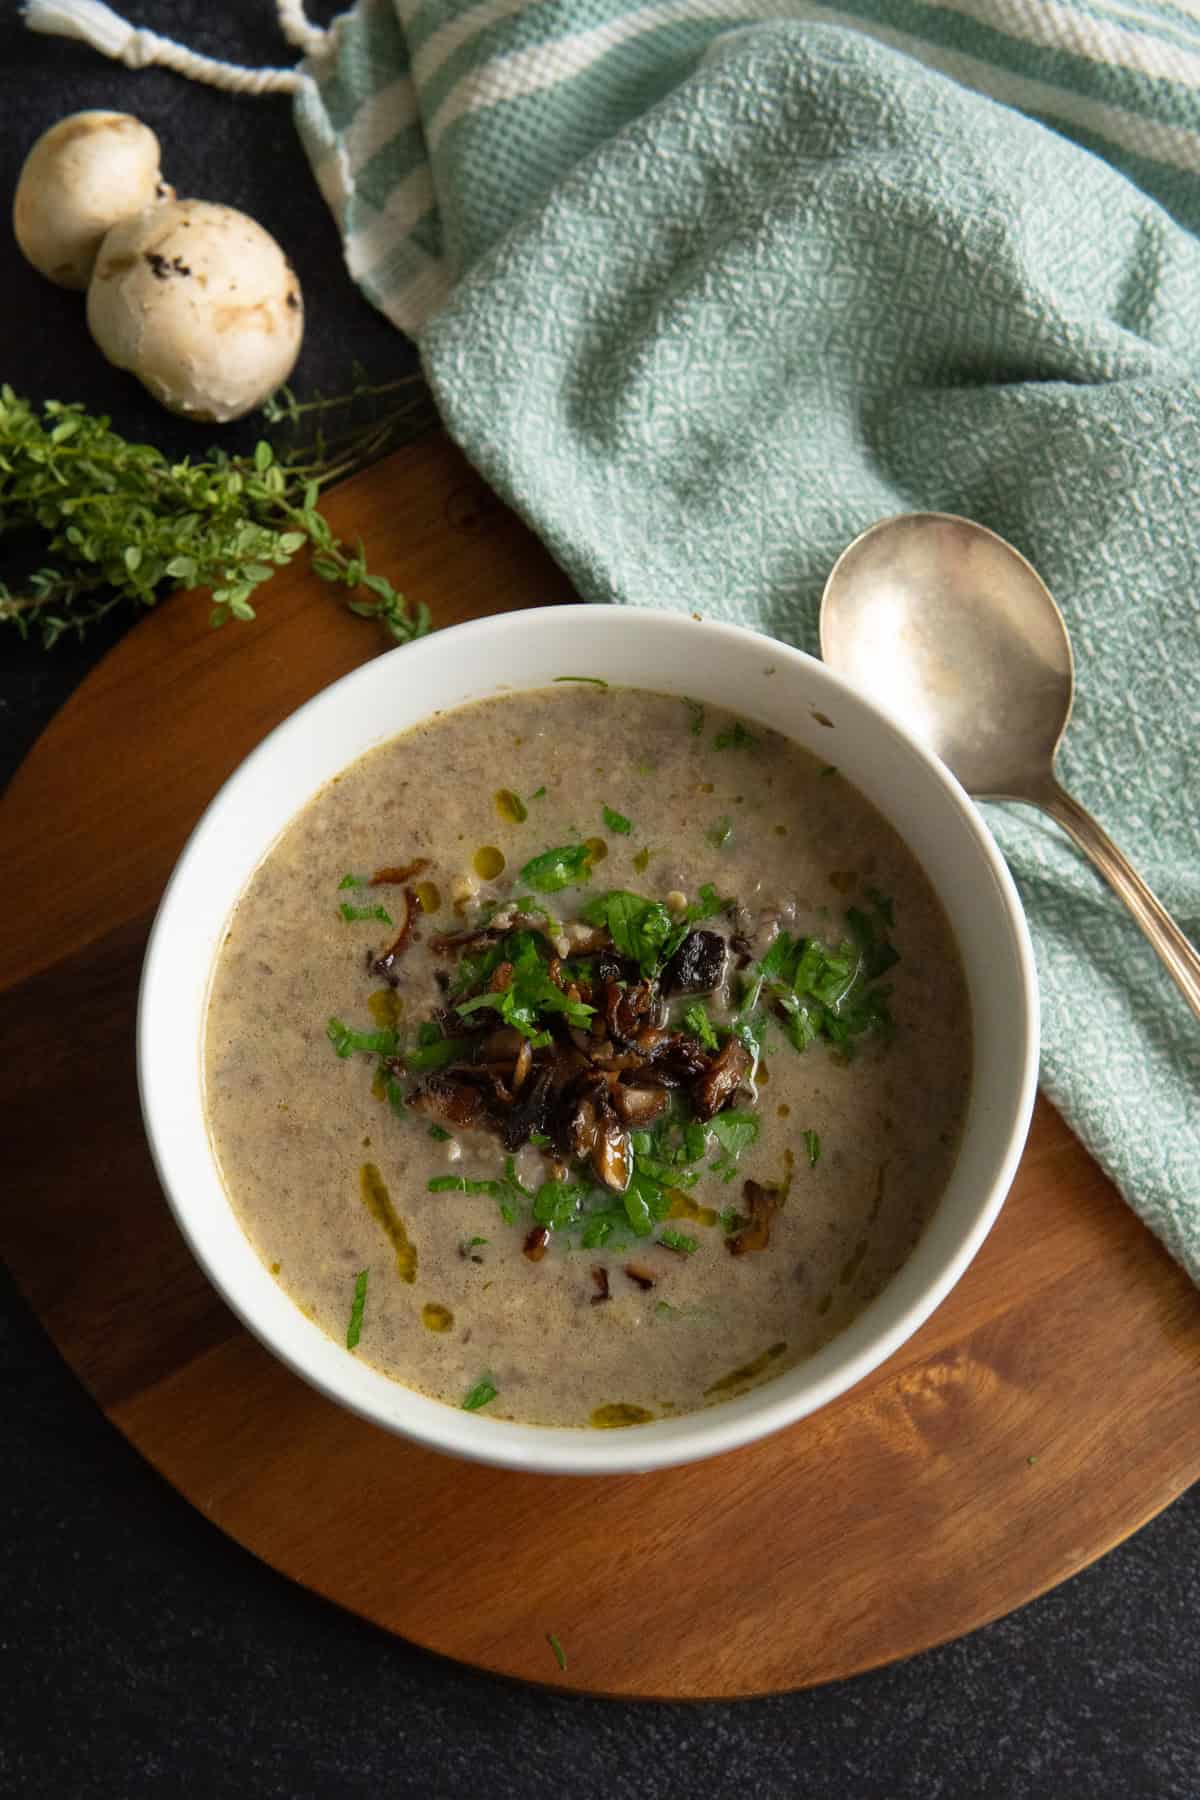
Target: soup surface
(585, 1055)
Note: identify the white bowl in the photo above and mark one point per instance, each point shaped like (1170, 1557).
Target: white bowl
(740, 671)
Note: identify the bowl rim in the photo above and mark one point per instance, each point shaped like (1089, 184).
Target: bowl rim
(577, 1450)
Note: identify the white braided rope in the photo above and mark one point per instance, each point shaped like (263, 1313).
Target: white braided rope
(297, 29)
(93, 23)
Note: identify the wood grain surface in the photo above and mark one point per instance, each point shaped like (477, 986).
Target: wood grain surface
(1049, 1407)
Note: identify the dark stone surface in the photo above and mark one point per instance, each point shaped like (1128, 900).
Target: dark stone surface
(141, 1653)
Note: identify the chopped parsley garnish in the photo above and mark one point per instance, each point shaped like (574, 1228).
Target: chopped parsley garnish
(473, 1243)
(352, 914)
(557, 1204)
(617, 822)
(680, 1241)
(435, 1052)
(639, 928)
(812, 1144)
(373, 1043)
(778, 958)
(560, 1655)
(720, 832)
(510, 1175)
(696, 724)
(644, 929)
(474, 968)
(508, 1193)
(352, 881)
(827, 974)
(599, 1226)
(734, 1132)
(354, 1329)
(697, 1021)
(706, 906)
(591, 680)
(660, 1173)
(556, 869)
(877, 953)
(825, 990)
(653, 1168)
(735, 737)
(482, 1394)
(530, 993)
(640, 1199)
(732, 1221)
(695, 1142)
(440, 1133)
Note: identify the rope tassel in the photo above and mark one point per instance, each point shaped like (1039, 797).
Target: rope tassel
(91, 22)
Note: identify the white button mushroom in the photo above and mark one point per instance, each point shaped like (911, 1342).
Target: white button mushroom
(80, 178)
(200, 303)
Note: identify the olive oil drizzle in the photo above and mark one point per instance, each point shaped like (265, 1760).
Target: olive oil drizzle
(618, 1413)
(748, 1372)
(378, 1203)
(684, 1207)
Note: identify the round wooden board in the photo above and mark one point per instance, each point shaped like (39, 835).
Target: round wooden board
(1050, 1407)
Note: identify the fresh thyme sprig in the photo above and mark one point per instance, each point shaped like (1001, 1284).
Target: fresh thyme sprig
(122, 524)
(333, 435)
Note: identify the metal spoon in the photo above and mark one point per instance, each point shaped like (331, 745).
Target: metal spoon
(952, 629)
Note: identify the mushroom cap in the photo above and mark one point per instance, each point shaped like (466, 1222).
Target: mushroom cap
(200, 303)
(80, 178)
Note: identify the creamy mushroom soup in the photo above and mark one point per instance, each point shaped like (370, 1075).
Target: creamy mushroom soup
(586, 1055)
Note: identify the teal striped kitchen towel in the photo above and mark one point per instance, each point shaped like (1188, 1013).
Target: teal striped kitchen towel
(435, 126)
(704, 287)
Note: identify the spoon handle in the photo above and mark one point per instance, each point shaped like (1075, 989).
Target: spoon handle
(1176, 952)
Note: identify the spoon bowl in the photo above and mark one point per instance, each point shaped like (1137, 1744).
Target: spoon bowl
(959, 637)
(967, 637)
